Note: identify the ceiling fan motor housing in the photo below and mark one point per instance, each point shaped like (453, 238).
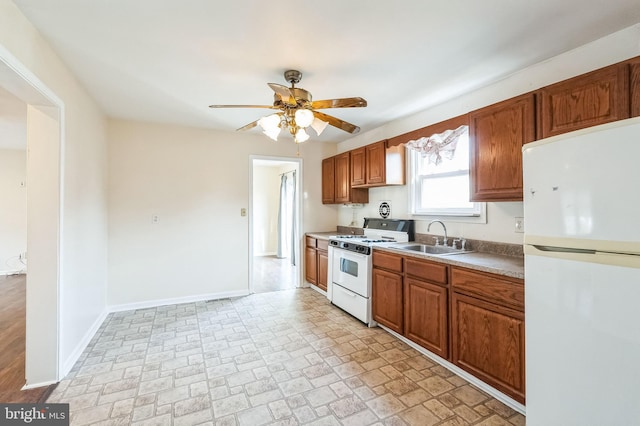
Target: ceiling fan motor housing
(293, 76)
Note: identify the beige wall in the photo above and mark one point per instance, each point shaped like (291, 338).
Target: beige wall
(83, 238)
(195, 181)
(13, 213)
(500, 216)
(266, 195)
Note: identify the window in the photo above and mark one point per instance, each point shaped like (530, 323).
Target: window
(439, 175)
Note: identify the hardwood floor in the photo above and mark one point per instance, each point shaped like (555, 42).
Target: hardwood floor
(12, 343)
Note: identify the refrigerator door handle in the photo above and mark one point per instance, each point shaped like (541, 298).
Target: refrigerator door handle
(564, 249)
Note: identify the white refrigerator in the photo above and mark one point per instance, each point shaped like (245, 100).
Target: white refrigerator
(582, 277)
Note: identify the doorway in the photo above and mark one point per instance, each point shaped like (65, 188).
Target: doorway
(275, 217)
(44, 142)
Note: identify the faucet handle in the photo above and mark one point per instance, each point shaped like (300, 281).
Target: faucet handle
(437, 240)
(463, 242)
(455, 242)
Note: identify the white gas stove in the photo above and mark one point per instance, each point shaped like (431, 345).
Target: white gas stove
(350, 264)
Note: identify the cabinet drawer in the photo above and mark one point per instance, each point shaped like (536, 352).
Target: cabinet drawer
(387, 261)
(322, 244)
(488, 287)
(425, 270)
(311, 242)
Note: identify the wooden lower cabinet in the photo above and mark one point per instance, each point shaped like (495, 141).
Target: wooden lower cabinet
(316, 261)
(310, 265)
(322, 262)
(488, 342)
(425, 313)
(387, 299)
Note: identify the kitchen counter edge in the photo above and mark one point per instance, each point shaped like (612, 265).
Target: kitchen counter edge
(508, 266)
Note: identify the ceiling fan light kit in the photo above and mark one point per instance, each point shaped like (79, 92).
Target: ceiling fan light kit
(298, 111)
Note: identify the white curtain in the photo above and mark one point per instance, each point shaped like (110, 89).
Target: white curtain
(294, 213)
(282, 219)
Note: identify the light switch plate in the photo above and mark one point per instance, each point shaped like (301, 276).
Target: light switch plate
(243, 212)
(519, 225)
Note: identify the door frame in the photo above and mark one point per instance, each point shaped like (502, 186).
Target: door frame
(299, 270)
(42, 312)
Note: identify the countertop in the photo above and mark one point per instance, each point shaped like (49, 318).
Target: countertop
(509, 266)
(323, 235)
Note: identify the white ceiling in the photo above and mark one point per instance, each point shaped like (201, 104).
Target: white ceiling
(13, 121)
(167, 60)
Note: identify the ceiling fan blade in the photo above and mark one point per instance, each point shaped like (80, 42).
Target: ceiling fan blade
(243, 106)
(339, 103)
(248, 126)
(336, 122)
(284, 93)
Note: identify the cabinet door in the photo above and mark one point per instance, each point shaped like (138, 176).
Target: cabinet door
(425, 310)
(488, 342)
(387, 299)
(343, 178)
(328, 181)
(376, 172)
(634, 84)
(310, 265)
(594, 98)
(323, 269)
(358, 176)
(496, 136)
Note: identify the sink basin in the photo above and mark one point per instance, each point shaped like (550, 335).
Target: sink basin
(436, 250)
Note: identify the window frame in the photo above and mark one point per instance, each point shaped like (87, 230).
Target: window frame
(476, 214)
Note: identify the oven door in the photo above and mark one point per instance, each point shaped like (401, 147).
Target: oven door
(351, 271)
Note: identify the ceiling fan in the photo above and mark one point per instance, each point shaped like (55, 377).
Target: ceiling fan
(297, 111)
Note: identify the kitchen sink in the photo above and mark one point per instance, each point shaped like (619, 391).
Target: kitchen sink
(435, 250)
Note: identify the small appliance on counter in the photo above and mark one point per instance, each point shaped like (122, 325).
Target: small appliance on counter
(350, 264)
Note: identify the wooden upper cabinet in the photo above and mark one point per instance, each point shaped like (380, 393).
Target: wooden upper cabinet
(598, 97)
(634, 86)
(358, 167)
(377, 165)
(328, 181)
(336, 182)
(496, 136)
(343, 178)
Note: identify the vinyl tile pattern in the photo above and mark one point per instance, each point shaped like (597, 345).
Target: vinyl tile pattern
(282, 358)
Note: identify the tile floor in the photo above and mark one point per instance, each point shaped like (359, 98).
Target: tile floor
(284, 358)
(273, 274)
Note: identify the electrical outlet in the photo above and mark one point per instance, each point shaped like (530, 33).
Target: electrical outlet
(155, 219)
(519, 224)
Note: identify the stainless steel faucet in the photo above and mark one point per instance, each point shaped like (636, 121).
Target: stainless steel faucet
(443, 227)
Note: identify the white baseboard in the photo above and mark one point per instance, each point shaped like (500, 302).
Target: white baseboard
(267, 253)
(506, 400)
(177, 300)
(82, 345)
(38, 385)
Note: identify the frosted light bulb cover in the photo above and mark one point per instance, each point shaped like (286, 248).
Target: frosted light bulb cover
(304, 117)
(319, 125)
(301, 136)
